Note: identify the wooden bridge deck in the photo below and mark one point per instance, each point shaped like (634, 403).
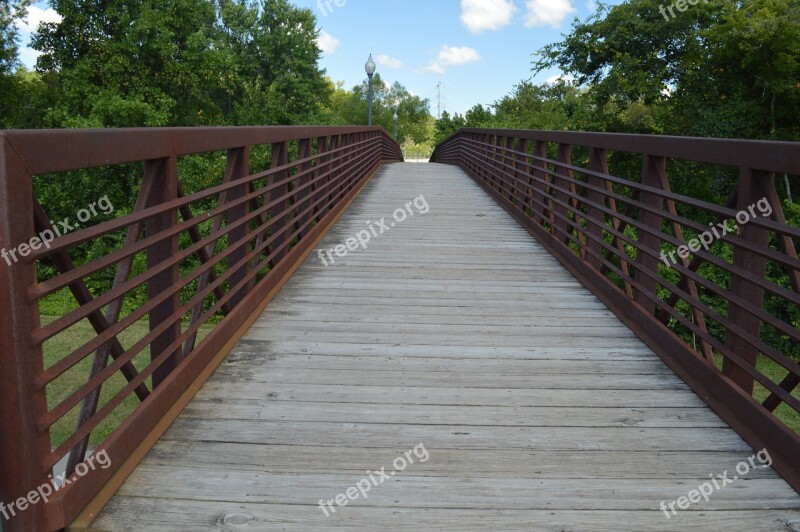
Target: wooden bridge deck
(536, 407)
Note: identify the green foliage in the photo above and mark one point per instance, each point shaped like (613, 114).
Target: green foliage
(719, 69)
(446, 126)
(13, 83)
(277, 79)
(479, 116)
(349, 107)
(181, 63)
(11, 11)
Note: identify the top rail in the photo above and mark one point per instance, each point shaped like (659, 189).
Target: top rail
(204, 245)
(713, 289)
(768, 156)
(61, 150)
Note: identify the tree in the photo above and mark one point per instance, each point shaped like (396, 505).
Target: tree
(11, 12)
(352, 107)
(132, 63)
(724, 69)
(23, 100)
(553, 106)
(749, 83)
(446, 126)
(282, 82)
(182, 63)
(479, 116)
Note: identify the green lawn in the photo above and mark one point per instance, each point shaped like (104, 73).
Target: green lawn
(64, 344)
(775, 372)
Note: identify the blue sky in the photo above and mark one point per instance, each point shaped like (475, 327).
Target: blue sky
(480, 48)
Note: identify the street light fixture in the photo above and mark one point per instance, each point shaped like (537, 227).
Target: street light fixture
(370, 68)
(395, 125)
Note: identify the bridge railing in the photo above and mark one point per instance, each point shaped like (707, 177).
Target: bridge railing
(720, 304)
(190, 270)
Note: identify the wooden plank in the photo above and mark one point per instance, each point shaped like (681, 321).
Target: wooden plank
(224, 456)
(421, 395)
(588, 382)
(153, 514)
(459, 416)
(413, 350)
(243, 357)
(617, 339)
(456, 437)
(407, 490)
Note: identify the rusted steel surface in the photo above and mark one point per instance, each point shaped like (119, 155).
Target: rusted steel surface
(257, 224)
(611, 233)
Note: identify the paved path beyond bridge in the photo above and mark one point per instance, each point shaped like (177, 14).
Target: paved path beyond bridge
(455, 335)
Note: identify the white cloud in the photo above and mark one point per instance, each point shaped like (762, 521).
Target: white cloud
(561, 77)
(327, 42)
(28, 57)
(434, 67)
(36, 15)
(482, 15)
(457, 55)
(547, 12)
(388, 62)
(591, 6)
(453, 56)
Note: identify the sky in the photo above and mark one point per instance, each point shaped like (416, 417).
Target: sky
(479, 49)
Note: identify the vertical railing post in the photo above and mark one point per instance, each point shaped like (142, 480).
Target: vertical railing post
(499, 159)
(561, 226)
(22, 445)
(539, 183)
(487, 159)
(509, 175)
(280, 157)
(595, 217)
(238, 168)
(353, 174)
(521, 190)
(753, 186)
(321, 168)
(654, 171)
(304, 191)
(335, 169)
(373, 138)
(465, 142)
(164, 191)
(345, 174)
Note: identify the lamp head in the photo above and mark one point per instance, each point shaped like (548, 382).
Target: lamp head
(370, 66)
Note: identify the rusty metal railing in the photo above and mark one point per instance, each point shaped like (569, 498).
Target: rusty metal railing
(243, 236)
(706, 316)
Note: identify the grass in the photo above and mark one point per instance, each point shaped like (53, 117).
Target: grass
(62, 387)
(774, 372)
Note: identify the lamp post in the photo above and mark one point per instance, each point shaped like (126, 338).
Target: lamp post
(395, 125)
(370, 68)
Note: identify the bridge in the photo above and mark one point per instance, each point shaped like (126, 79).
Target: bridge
(523, 334)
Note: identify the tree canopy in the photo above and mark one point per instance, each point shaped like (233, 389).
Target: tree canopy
(126, 63)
